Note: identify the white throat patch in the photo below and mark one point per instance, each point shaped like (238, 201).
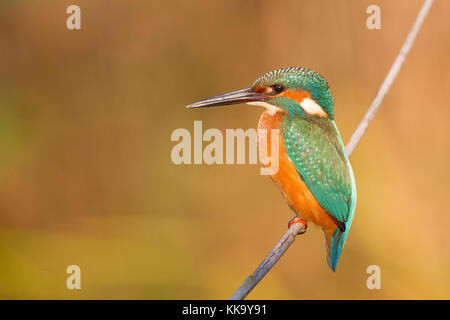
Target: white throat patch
(271, 109)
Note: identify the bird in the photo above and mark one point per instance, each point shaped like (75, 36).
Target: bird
(314, 173)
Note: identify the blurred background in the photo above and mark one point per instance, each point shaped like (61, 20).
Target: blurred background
(86, 176)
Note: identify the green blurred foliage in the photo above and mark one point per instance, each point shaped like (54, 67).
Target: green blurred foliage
(85, 172)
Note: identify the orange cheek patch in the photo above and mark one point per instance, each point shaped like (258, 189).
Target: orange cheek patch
(303, 98)
(296, 95)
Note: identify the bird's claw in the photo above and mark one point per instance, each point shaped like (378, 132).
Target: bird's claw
(297, 219)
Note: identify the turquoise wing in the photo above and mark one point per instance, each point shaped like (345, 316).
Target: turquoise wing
(315, 147)
(318, 155)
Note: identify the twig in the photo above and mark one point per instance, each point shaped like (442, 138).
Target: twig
(269, 261)
(296, 228)
(364, 124)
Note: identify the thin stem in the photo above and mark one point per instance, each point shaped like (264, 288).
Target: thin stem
(289, 237)
(390, 77)
(269, 261)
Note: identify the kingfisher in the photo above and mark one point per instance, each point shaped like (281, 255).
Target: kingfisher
(314, 173)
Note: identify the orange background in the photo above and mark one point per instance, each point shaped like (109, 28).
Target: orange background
(85, 170)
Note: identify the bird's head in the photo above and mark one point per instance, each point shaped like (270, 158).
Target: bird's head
(298, 91)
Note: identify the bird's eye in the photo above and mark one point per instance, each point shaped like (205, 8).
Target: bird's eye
(277, 88)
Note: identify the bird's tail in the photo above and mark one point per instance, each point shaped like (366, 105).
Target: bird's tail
(334, 240)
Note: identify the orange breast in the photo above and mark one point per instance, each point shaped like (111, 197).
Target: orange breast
(295, 191)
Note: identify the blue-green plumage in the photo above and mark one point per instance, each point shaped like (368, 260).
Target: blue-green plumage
(338, 239)
(298, 78)
(321, 172)
(315, 147)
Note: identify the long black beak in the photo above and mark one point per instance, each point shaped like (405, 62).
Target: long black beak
(235, 97)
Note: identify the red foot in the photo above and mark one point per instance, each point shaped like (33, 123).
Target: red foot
(297, 219)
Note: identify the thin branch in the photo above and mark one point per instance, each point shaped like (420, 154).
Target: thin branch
(364, 124)
(298, 228)
(269, 261)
